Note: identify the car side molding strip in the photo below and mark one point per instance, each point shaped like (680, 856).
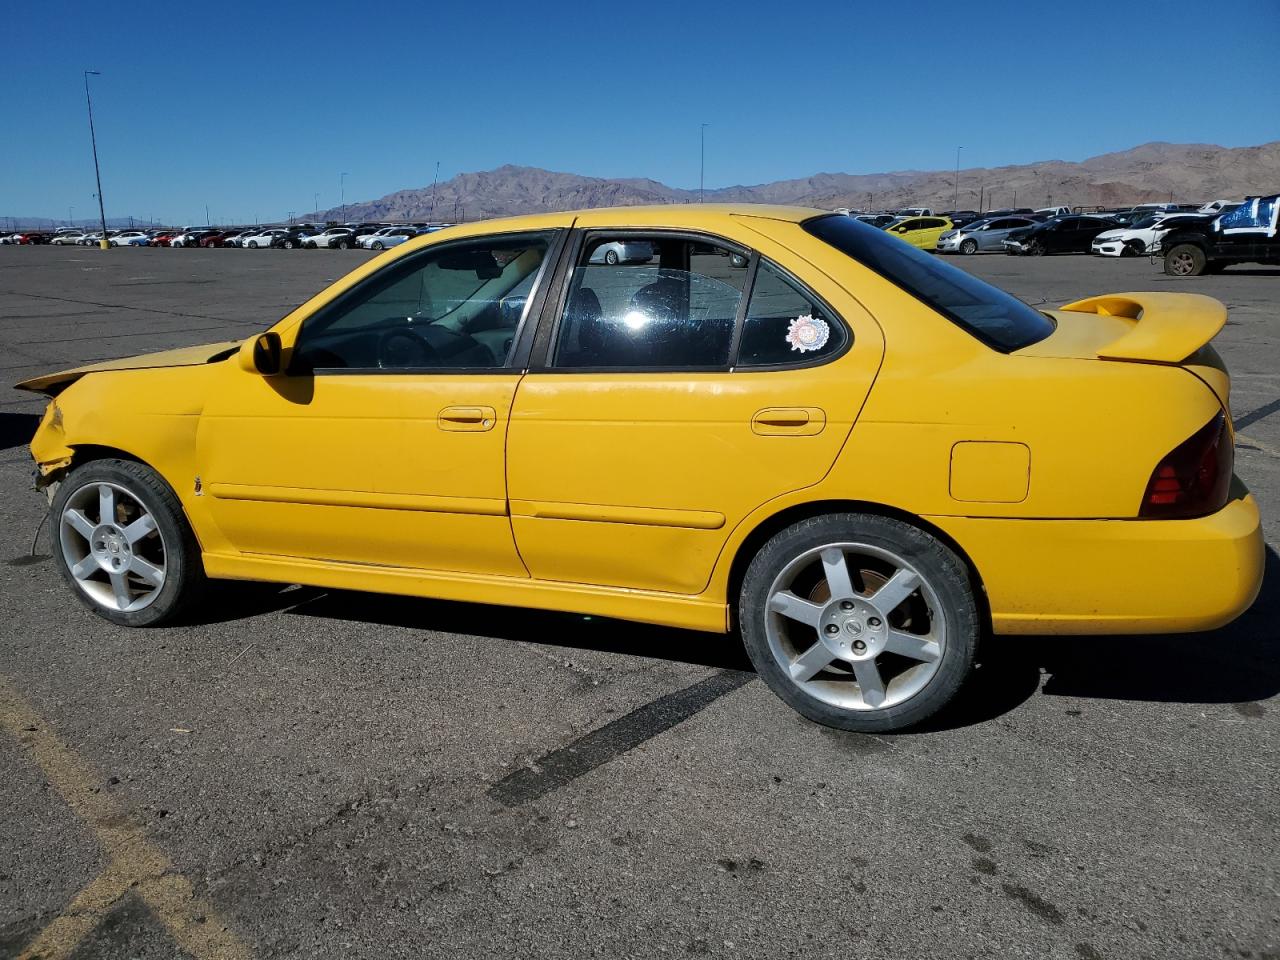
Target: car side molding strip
(602, 513)
(358, 498)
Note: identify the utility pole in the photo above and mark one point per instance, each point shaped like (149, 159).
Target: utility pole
(342, 191)
(315, 200)
(93, 139)
(206, 216)
(702, 163)
(955, 196)
(71, 217)
(431, 217)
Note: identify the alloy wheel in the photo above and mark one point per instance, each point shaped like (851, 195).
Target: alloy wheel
(112, 546)
(855, 626)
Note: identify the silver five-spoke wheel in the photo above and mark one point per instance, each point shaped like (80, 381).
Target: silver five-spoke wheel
(855, 626)
(112, 546)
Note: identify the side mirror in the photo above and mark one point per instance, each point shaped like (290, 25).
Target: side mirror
(262, 355)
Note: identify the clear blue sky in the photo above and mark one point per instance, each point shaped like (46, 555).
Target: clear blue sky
(254, 107)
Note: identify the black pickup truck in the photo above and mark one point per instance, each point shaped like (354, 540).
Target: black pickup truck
(1247, 234)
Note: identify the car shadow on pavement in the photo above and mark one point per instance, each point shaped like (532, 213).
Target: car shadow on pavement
(1237, 664)
(17, 429)
(532, 626)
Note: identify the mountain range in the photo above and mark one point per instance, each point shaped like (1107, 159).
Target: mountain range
(1148, 173)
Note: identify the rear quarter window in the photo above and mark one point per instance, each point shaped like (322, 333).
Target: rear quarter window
(998, 319)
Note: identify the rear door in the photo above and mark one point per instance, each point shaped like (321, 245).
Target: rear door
(674, 397)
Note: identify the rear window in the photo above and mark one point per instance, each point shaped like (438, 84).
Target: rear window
(998, 319)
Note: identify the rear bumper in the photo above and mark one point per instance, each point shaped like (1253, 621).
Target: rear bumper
(1116, 576)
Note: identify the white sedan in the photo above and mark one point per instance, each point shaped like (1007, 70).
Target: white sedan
(130, 238)
(388, 237)
(1140, 236)
(329, 238)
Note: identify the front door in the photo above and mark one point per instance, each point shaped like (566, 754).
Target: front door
(680, 392)
(385, 442)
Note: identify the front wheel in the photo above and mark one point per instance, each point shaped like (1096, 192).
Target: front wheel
(1035, 249)
(377, 245)
(859, 622)
(611, 258)
(123, 544)
(969, 246)
(1184, 260)
(253, 244)
(288, 244)
(343, 245)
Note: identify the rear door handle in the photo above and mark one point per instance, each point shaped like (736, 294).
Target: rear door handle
(467, 418)
(789, 421)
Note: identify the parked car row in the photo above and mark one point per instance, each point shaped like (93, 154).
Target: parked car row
(370, 236)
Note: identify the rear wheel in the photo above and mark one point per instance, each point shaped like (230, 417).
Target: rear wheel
(123, 544)
(968, 246)
(611, 257)
(1184, 260)
(859, 622)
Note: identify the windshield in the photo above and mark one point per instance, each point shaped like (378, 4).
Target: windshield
(998, 319)
(1146, 220)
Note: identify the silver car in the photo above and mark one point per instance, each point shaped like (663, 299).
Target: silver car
(981, 235)
(622, 251)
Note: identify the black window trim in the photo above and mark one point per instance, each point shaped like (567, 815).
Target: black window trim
(548, 333)
(522, 339)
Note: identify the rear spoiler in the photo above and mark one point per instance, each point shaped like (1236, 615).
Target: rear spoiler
(1167, 327)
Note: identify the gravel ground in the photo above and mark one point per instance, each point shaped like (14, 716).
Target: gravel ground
(319, 774)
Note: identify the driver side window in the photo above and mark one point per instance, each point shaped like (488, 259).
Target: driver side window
(453, 306)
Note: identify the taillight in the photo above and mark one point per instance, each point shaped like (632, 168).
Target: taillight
(1193, 480)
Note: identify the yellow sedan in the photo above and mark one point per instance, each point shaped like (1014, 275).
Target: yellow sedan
(921, 232)
(778, 422)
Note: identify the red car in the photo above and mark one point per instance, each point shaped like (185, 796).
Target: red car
(216, 238)
(162, 239)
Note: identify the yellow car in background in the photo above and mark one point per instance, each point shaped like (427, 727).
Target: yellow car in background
(921, 232)
(777, 421)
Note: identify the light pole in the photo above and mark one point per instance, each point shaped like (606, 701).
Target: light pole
(315, 199)
(431, 217)
(955, 196)
(702, 162)
(342, 191)
(93, 139)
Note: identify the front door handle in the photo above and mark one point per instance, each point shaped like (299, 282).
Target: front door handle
(467, 418)
(789, 421)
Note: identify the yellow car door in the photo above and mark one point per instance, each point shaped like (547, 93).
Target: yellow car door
(384, 442)
(906, 230)
(679, 392)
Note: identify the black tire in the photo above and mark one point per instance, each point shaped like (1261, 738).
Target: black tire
(376, 245)
(1184, 260)
(287, 244)
(611, 257)
(943, 571)
(343, 245)
(969, 247)
(1134, 248)
(184, 580)
(1035, 249)
(252, 244)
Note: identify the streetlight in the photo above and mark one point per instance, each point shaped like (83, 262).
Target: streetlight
(431, 217)
(315, 199)
(955, 197)
(93, 139)
(702, 162)
(342, 191)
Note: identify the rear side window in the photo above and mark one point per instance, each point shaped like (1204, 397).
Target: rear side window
(786, 325)
(998, 319)
(651, 301)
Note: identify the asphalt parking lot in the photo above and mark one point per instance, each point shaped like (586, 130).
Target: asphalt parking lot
(316, 774)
